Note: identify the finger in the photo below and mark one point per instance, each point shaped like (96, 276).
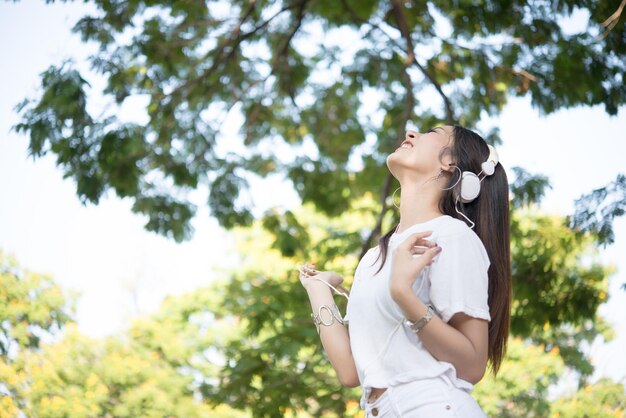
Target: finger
(414, 238)
(427, 257)
(426, 243)
(418, 250)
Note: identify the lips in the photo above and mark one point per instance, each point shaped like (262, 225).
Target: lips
(406, 144)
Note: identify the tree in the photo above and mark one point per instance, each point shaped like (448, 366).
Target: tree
(287, 69)
(284, 69)
(558, 286)
(67, 374)
(32, 308)
(603, 399)
(276, 345)
(521, 388)
(83, 377)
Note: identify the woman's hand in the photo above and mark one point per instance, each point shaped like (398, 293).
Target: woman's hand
(309, 275)
(406, 267)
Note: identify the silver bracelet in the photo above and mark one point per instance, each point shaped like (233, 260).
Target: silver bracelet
(334, 314)
(416, 326)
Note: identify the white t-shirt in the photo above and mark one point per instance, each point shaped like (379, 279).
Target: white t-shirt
(385, 351)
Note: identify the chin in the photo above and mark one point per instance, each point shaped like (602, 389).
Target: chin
(392, 164)
(390, 161)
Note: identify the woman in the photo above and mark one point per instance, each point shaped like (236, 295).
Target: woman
(429, 306)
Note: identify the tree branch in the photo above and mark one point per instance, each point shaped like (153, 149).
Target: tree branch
(275, 61)
(410, 103)
(400, 17)
(404, 29)
(233, 40)
(398, 14)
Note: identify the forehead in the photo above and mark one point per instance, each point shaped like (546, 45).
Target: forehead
(444, 131)
(447, 129)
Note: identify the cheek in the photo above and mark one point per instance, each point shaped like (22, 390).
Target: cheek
(426, 156)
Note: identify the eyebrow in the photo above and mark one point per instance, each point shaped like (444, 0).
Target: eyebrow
(437, 127)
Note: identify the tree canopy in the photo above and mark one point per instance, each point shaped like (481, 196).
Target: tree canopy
(334, 83)
(67, 374)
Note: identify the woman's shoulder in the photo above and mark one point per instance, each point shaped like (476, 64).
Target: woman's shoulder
(456, 232)
(370, 255)
(372, 251)
(454, 228)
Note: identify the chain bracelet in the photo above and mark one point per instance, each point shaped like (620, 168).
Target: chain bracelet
(334, 314)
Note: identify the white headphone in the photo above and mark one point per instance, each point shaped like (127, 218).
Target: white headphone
(470, 183)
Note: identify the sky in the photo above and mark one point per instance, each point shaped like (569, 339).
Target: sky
(122, 271)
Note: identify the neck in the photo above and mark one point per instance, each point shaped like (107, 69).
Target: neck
(417, 205)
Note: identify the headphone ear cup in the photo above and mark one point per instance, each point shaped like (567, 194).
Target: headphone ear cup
(470, 186)
(488, 167)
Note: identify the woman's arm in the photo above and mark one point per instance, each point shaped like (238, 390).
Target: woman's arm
(463, 341)
(335, 337)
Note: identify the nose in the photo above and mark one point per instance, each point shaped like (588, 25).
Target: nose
(411, 135)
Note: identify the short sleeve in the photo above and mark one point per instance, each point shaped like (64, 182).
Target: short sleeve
(458, 276)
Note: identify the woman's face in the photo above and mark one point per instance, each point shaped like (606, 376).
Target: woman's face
(419, 153)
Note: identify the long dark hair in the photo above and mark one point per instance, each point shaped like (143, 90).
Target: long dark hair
(490, 214)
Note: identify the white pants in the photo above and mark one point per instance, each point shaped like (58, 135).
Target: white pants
(427, 398)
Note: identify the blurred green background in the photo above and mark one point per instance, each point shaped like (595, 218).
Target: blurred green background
(172, 163)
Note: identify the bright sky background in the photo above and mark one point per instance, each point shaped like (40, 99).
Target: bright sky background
(122, 271)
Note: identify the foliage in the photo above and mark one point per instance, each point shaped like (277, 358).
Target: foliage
(558, 286)
(272, 342)
(603, 399)
(596, 211)
(340, 78)
(141, 375)
(240, 342)
(277, 345)
(82, 377)
(32, 308)
(332, 85)
(520, 390)
(527, 188)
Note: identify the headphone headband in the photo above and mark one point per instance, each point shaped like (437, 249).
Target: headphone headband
(489, 166)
